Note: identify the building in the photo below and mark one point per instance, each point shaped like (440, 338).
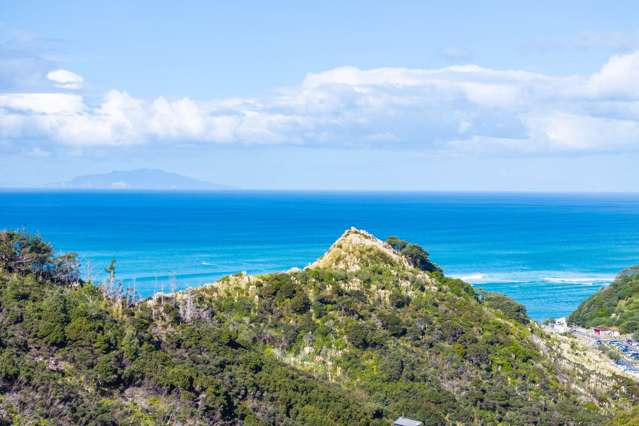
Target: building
(560, 325)
(404, 421)
(601, 331)
(604, 331)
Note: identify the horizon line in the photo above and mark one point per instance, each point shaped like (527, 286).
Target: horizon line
(309, 190)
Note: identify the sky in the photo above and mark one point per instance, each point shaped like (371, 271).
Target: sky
(376, 95)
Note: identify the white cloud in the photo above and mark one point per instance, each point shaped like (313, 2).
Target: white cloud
(464, 108)
(42, 103)
(559, 132)
(65, 79)
(618, 78)
(571, 132)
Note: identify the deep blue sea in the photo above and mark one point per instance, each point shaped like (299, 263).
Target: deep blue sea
(547, 251)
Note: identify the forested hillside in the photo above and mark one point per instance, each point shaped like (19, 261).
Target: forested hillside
(616, 305)
(360, 337)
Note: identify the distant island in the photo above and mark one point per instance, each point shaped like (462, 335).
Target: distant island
(151, 179)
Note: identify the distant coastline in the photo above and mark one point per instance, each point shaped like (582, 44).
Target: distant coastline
(138, 179)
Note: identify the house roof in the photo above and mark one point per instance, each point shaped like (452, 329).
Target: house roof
(403, 421)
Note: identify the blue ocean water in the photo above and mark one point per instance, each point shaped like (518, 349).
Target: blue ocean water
(548, 251)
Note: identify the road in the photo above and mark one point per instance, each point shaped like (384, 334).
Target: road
(625, 347)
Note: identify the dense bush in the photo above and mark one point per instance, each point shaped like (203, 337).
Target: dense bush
(317, 347)
(414, 253)
(506, 305)
(616, 305)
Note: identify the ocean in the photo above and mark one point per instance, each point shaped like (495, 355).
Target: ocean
(547, 251)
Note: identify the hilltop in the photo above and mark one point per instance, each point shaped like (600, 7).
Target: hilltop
(616, 305)
(370, 331)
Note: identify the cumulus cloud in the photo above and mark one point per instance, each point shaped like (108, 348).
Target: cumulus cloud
(65, 79)
(618, 78)
(464, 108)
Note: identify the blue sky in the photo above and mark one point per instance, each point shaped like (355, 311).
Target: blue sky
(344, 95)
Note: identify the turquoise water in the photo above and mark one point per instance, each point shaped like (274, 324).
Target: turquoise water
(548, 251)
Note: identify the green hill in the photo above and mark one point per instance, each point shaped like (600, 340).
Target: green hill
(616, 305)
(360, 337)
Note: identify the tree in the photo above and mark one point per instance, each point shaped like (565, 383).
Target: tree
(415, 254)
(66, 268)
(24, 254)
(111, 271)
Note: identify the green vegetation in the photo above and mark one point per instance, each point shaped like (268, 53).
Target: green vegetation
(630, 418)
(70, 355)
(23, 254)
(416, 255)
(322, 346)
(614, 306)
(506, 305)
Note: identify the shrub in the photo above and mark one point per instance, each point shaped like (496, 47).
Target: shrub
(107, 370)
(393, 324)
(506, 305)
(300, 303)
(362, 336)
(398, 300)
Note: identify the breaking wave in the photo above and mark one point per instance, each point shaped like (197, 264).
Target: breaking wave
(555, 277)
